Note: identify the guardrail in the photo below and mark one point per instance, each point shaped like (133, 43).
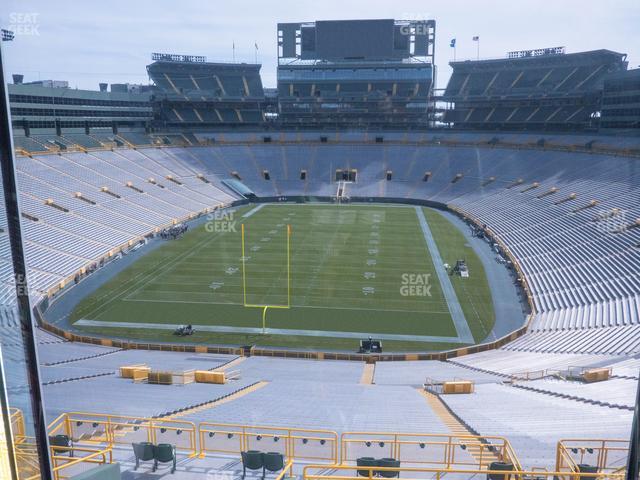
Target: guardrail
(27, 458)
(60, 463)
(16, 418)
(425, 452)
(297, 444)
(112, 430)
(428, 449)
(609, 456)
(534, 375)
(441, 137)
(351, 472)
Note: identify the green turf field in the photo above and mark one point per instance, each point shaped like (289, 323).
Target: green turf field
(363, 270)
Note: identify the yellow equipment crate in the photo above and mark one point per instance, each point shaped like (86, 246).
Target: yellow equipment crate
(206, 376)
(460, 386)
(171, 378)
(141, 375)
(596, 375)
(128, 370)
(160, 378)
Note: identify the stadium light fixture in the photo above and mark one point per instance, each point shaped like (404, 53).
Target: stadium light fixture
(7, 35)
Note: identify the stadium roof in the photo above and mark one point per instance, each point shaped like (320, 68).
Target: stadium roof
(543, 59)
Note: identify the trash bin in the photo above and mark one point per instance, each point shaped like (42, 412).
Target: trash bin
(585, 468)
(506, 466)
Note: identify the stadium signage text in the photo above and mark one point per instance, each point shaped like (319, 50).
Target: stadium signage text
(536, 53)
(415, 285)
(24, 23)
(170, 57)
(220, 221)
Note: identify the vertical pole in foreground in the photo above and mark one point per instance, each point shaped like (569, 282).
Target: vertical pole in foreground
(244, 281)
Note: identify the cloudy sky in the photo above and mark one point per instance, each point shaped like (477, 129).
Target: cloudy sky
(89, 41)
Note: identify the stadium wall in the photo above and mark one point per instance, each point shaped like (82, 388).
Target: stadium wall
(248, 350)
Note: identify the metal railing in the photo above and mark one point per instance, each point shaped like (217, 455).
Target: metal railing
(609, 456)
(17, 424)
(297, 444)
(427, 453)
(534, 375)
(112, 430)
(428, 449)
(93, 456)
(351, 472)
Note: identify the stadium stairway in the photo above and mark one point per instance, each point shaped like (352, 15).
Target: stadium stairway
(76, 379)
(574, 397)
(456, 426)
(234, 362)
(79, 359)
(368, 374)
(476, 369)
(229, 397)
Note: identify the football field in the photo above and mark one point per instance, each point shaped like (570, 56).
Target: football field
(340, 272)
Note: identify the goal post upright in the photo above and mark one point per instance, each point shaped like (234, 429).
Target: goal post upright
(264, 307)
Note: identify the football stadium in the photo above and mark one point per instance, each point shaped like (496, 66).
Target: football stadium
(360, 271)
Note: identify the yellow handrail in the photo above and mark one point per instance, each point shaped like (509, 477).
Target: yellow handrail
(247, 434)
(288, 467)
(70, 461)
(110, 429)
(572, 452)
(489, 446)
(438, 473)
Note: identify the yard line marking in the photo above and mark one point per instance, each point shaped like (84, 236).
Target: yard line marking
(167, 267)
(319, 266)
(151, 275)
(391, 310)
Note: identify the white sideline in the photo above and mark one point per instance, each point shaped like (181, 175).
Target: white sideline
(462, 327)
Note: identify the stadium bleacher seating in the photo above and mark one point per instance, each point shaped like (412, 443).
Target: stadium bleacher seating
(551, 91)
(586, 300)
(593, 288)
(197, 94)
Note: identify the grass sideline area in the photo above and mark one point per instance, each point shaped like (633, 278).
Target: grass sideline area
(348, 264)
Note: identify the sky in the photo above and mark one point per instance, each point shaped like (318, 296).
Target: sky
(92, 41)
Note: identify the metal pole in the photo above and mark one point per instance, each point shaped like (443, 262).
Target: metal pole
(23, 306)
(634, 457)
